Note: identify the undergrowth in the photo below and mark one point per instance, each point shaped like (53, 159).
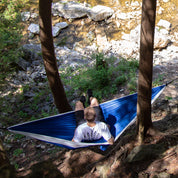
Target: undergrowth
(10, 35)
(104, 77)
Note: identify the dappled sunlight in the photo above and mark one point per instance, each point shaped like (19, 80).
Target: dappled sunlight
(12, 89)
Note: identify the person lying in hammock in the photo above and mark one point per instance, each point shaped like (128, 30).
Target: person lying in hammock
(90, 123)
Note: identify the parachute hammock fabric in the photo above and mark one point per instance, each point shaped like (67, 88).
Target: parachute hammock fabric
(59, 129)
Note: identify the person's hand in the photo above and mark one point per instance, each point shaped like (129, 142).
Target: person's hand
(111, 141)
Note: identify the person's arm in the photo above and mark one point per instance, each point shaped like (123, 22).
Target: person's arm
(107, 134)
(77, 135)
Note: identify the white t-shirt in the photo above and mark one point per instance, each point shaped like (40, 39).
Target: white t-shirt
(87, 133)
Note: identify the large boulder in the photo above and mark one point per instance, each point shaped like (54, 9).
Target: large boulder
(69, 10)
(99, 13)
(162, 39)
(165, 24)
(73, 10)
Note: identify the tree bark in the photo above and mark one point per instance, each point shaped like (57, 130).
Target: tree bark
(49, 58)
(144, 121)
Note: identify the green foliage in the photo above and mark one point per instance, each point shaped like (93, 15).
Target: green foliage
(22, 114)
(103, 78)
(54, 150)
(158, 80)
(18, 136)
(33, 118)
(120, 79)
(44, 114)
(168, 97)
(16, 166)
(17, 152)
(10, 34)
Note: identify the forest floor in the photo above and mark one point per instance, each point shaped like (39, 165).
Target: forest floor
(157, 157)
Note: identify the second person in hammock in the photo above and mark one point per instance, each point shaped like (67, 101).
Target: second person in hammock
(90, 122)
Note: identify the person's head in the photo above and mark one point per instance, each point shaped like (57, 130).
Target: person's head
(89, 114)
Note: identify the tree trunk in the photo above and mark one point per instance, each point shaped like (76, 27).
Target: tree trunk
(49, 58)
(144, 121)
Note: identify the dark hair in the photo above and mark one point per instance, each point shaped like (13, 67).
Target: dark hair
(89, 114)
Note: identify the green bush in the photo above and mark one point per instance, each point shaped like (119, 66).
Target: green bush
(104, 77)
(17, 152)
(120, 79)
(10, 34)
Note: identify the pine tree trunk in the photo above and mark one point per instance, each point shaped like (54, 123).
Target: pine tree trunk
(144, 121)
(49, 58)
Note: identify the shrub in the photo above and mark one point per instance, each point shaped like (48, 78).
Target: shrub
(103, 78)
(10, 34)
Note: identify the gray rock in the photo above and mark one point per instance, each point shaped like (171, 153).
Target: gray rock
(32, 47)
(124, 47)
(69, 10)
(164, 23)
(55, 31)
(128, 15)
(161, 40)
(34, 15)
(25, 16)
(32, 52)
(61, 25)
(23, 64)
(34, 28)
(99, 13)
(58, 27)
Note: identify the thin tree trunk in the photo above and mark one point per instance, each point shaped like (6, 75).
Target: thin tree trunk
(144, 121)
(49, 58)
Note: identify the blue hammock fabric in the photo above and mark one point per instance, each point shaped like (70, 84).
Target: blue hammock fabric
(59, 129)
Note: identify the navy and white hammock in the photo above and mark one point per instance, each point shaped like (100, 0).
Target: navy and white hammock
(59, 129)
